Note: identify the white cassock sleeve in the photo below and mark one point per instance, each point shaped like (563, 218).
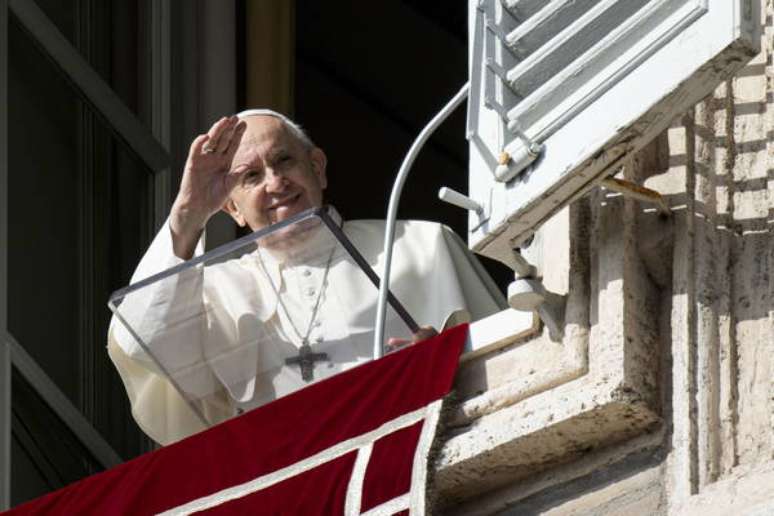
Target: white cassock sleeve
(157, 405)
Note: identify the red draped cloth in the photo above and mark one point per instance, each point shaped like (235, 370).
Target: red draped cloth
(349, 444)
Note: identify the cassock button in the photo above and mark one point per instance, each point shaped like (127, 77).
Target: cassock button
(317, 324)
(240, 411)
(318, 339)
(310, 291)
(306, 273)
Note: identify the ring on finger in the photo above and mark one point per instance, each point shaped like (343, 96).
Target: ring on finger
(208, 149)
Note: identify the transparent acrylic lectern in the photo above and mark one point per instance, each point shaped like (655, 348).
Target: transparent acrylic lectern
(258, 318)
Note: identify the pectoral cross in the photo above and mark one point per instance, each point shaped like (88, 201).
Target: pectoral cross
(305, 360)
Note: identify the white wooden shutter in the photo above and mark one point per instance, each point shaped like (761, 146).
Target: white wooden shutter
(567, 88)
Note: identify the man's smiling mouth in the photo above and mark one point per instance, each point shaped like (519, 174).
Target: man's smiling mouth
(284, 203)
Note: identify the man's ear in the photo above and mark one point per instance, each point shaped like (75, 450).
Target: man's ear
(319, 162)
(232, 209)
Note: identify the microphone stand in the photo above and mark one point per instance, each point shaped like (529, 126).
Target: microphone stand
(392, 211)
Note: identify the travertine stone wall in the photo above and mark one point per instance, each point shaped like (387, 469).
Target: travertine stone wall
(670, 318)
(723, 401)
(549, 401)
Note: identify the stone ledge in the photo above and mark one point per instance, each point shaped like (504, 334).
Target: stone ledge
(526, 494)
(538, 433)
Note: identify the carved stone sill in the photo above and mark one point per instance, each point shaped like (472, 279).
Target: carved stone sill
(538, 432)
(539, 403)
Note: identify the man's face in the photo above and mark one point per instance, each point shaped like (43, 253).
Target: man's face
(282, 176)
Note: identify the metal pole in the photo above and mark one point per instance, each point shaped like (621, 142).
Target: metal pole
(5, 352)
(392, 211)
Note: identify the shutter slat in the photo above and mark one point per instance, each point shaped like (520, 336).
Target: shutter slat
(549, 21)
(570, 44)
(612, 56)
(524, 9)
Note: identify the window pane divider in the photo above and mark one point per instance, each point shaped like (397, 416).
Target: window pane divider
(88, 82)
(61, 404)
(5, 353)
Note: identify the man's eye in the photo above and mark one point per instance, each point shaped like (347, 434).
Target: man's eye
(252, 177)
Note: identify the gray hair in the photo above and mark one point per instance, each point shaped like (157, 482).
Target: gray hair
(295, 129)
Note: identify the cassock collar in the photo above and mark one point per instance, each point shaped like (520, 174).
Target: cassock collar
(314, 243)
(314, 250)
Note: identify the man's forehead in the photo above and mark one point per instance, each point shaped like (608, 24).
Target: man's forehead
(251, 143)
(263, 133)
(261, 128)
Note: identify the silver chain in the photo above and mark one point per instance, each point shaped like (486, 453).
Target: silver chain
(304, 338)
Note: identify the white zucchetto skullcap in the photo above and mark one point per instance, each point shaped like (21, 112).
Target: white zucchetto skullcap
(296, 129)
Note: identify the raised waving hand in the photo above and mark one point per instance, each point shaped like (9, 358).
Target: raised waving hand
(207, 182)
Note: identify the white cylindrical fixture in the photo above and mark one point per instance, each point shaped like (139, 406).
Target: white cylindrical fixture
(521, 158)
(446, 194)
(526, 294)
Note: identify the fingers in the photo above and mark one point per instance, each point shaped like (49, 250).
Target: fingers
(394, 344)
(229, 133)
(219, 134)
(235, 139)
(425, 332)
(223, 138)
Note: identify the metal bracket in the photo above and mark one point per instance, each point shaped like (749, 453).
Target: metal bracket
(455, 198)
(509, 165)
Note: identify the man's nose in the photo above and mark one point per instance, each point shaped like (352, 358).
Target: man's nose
(275, 180)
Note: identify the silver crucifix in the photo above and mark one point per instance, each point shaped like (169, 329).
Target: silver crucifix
(306, 359)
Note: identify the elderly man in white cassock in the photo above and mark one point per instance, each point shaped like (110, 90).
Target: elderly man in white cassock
(261, 168)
